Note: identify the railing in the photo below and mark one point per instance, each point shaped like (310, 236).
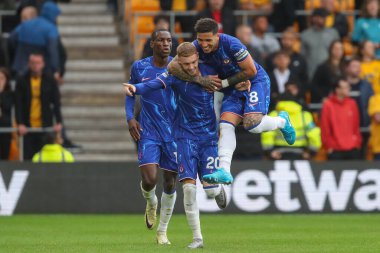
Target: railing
(21, 138)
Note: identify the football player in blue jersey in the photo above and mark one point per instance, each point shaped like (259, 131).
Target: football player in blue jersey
(234, 65)
(153, 134)
(195, 132)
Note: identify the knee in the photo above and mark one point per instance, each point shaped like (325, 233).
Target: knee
(149, 182)
(252, 120)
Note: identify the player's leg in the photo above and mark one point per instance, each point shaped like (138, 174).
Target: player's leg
(148, 155)
(209, 162)
(187, 173)
(256, 107)
(231, 116)
(169, 168)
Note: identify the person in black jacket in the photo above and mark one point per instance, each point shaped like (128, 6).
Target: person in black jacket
(37, 104)
(6, 104)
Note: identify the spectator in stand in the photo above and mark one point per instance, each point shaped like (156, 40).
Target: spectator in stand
(160, 22)
(340, 124)
(256, 5)
(222, 15)
(266, 43)
(37, 103)
(53, 151)
(316, 40)
(284, 14)
(297, 62)
(28, 13)
(280, 75)
(335, 19)
(326, 74)
(374, 113)
(368, 26)
(370, 66)
(361, 91)
(244, 33)
(6, 104)
(38, 35)
(187, 22)
(308, 135)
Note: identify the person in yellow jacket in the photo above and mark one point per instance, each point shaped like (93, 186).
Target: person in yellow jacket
(374, 113)
(308, 134)
(53, 151)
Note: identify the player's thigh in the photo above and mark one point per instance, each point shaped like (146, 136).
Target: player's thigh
(209, 160)
(169, 156)
(257, 99)
(188, 159)
(149, 152)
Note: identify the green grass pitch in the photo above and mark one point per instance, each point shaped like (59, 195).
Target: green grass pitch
(335, 233)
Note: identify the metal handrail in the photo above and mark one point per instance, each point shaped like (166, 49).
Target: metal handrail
(21, 137)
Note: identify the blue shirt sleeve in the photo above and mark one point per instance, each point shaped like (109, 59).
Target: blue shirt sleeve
(162, 81)
(238, 51)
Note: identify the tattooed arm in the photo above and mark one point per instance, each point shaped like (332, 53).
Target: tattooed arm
(211, 83)
(248, 70)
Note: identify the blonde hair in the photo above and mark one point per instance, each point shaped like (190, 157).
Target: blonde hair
(186, 49)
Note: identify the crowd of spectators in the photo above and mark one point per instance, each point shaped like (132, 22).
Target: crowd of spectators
(321, 55)
(326, 60)
(34, 57)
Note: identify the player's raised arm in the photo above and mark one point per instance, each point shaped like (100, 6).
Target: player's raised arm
(212, 83)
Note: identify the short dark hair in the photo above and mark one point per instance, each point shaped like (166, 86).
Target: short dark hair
(160, 17)
(206, 25)
(337, 82)
(155, 33)
(349, 60)
(50, 137)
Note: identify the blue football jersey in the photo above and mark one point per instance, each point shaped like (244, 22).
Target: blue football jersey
(226, 58)
(195, 116)
(157, 108)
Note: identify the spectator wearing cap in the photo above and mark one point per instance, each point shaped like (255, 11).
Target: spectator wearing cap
(38, 35)
(316, 40)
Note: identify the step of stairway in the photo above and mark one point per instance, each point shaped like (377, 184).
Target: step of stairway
(99, 135)
(95, 53)
(92, 89)
(83, 8)
(92, 99)
(95, 77)
(116, 64)
(105, 158)
(100, 112)
(86, 123)
(108, 147)
(103, 19)
(109, 41)
(87, 30)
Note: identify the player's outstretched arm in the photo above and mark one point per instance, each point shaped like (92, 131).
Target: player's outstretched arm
(248, 70)
(208, 82)
(129, 89)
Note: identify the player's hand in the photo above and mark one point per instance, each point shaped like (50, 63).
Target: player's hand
(210, 83)
(242, 86)
(129, 89)
(134, 129)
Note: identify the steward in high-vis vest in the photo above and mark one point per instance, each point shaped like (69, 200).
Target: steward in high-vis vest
(53, 151)
(308, 139)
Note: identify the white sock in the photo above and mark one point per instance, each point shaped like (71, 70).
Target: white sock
(150, 196)
(268, 123)
(226, 145)
(192, 210)
(212, 191)
(166, 211)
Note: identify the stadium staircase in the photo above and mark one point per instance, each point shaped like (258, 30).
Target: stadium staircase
(92, 99)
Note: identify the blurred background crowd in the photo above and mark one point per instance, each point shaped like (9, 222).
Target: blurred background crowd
(322, 56)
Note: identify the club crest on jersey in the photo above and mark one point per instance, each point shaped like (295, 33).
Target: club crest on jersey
(226, 61)
(181, 168)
